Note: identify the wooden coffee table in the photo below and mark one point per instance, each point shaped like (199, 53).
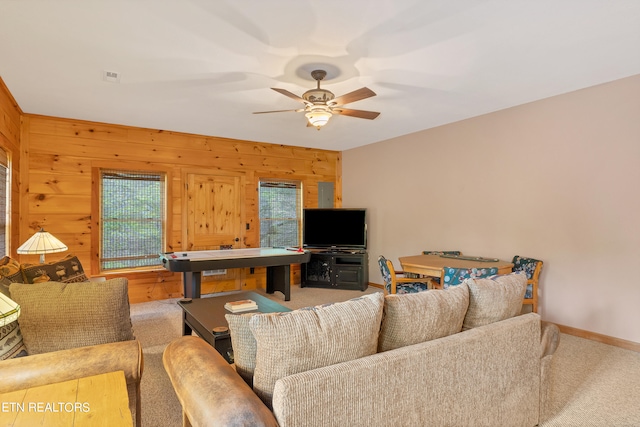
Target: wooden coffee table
(99, 400)
(204, 315)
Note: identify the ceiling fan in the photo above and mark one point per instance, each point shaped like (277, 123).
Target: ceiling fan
(321, 104)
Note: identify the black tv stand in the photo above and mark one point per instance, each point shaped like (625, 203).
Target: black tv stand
(336, 268)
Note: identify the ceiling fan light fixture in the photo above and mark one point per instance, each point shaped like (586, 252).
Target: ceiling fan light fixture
(318, 118)
(318, 95)
(321, 104)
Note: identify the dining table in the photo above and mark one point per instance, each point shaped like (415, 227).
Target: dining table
(433, 265)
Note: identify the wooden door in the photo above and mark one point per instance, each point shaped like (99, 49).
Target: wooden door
(215, 220)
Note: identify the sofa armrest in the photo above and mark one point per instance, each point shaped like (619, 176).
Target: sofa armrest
(209, 389)
(64, 365)
(549, 338)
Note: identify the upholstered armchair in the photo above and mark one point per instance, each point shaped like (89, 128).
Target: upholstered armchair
(70, 331)
(396, 283)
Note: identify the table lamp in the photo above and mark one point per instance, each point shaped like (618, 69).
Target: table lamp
(41, 243)
(9, 310)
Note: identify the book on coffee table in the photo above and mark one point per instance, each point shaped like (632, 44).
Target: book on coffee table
(242, 305)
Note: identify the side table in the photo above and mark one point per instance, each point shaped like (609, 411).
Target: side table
(99, 400)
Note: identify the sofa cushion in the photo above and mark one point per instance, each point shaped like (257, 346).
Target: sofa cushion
(65, 270)
(494, 299)
(413, 318)
(305, 339)
(58, 316)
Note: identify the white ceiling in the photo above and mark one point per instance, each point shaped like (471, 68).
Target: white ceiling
(203, 66)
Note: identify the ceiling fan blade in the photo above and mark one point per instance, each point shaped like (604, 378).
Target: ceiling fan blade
(361, 114)
(279, 111)
(354, 96)
(289, 94)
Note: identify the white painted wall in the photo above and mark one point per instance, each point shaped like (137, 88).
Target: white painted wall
(557, 179)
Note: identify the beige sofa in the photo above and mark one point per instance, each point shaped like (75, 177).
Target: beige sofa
(494, 372)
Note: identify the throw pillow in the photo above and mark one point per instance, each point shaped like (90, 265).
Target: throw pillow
(10, 272)
(244, 344)
(58, 316)
(494, 299)
(305, 339)
(11, 343)
(414, 318)
(66, 270)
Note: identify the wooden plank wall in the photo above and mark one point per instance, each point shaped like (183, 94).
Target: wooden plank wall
(59, 155)
(10, 114)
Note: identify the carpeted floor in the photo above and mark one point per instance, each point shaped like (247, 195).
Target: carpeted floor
(156, 324)
(593, 384)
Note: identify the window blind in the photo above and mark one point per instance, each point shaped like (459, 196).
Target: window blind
(132, 218)
(4, 201)
(280, 213)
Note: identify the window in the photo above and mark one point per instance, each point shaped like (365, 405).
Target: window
(4, 201)
(132, 219)
(280, 213)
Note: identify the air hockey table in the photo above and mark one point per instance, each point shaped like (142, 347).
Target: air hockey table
(277, 260)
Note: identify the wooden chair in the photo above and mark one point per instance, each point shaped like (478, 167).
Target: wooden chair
(436, 280)
(455, 276)
(396, 283)
(532, 268)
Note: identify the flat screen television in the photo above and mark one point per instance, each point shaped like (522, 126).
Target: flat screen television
(338, 228)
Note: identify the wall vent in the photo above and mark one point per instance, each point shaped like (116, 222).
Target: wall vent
(207, 273)
(111, 76)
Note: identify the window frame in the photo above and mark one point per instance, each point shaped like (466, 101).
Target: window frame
(299, 208)
(5, 162)
(96, 209)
